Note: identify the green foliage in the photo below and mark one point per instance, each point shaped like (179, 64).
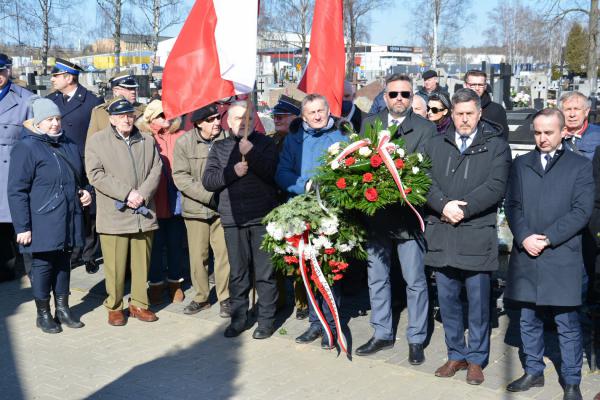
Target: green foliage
(576, 50)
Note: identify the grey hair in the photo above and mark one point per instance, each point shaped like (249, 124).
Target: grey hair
(398, 77)
(569, 95)
(313, 97)
(465, 95)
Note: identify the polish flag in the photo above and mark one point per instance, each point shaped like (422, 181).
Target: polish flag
(214, 56)
(325, 71)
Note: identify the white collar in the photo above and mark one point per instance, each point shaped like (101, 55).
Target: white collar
(399, 119)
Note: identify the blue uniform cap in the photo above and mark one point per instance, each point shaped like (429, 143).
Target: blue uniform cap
(126, 81)
(120, 106)
(287, 105)
(5, 62)
(65, 67)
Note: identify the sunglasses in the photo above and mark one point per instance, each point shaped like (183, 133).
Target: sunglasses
(211, 119)
(435, 110)
(404, 94)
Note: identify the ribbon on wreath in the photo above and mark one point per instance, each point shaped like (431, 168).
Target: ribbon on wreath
(321, 283)
(383, 149)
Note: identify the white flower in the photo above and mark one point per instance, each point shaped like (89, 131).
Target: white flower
(310, 252)
(383, 132)
(353, 137)
(321, 243)
(415, 170)
(335, 165)
(420, 157)
(400, 152)
(275, 231)
(279, 250)
(334, 149)
(365, 151)
(329, 226)
(344, 248)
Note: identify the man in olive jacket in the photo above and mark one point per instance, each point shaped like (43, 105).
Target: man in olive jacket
(470, 166)
(124, 167)
(549, 201)
(203, 224)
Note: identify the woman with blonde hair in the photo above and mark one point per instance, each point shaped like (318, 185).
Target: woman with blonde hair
(171, 231)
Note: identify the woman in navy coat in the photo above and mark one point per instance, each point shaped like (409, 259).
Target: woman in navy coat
(45, 200)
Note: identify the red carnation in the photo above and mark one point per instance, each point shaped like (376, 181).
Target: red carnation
(371, 194)
(349, 161)
(376, 161)
(337, 277)
(290, 259)
(407, 190)
(333, 263)
(342, 266)
(367, 177)
(399, 163)
(330, 251)
(335, 271)
(341, 183)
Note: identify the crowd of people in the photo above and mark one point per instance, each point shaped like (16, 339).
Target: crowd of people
(78, 173)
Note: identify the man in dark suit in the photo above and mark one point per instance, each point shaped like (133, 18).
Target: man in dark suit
(491, 112)
(549, 201)
(395, 231)
(470, 166)
(75, 104)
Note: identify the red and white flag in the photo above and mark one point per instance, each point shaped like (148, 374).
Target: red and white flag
(214, 56)
(325, 71)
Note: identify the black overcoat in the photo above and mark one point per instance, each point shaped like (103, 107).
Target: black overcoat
(478, 177)
(557, 203)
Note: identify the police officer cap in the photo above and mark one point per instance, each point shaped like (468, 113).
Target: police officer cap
(202, 113)
(5, 62)
(120, 106)
(124, 79)
(63, 66)
(287, 105)
(429, 74)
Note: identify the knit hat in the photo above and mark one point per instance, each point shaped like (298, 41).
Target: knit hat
(153, 110)
(43, 108)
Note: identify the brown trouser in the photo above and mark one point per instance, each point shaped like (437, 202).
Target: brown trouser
(201, 234)
(299, 292)
(115, 249)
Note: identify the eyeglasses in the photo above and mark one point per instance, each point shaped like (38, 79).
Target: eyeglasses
(404, 94)
(435, 110)
(475, 84)
(211, 119)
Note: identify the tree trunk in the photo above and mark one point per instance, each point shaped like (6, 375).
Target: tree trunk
(156, 30)
(436, 21)
(46, 34)
(592, 67)
(117, 34)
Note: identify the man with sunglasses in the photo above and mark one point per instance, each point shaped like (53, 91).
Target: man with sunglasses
(476, 80)
(395, 232)
(76, 103)
(198, 207)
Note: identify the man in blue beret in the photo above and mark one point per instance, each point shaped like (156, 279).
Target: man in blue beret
(75, 103)
(14, 110)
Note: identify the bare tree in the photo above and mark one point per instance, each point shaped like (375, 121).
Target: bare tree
(438, 23)
(557, 10)
(356, 14)
(160, 15)
(112, 11)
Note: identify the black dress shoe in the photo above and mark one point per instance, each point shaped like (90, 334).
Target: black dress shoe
(91, 267)
(416, 355)
(302, 313)
(262, 333)
(526, 382)
(195, 307)
(325, 345)
(373, 346)
(234, 330)
(572, 392)
(310, 335)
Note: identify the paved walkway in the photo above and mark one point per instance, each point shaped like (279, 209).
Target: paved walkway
(187, 357)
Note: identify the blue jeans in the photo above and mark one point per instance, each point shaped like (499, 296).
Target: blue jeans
(169, 236)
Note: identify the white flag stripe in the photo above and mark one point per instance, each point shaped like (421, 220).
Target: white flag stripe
(235, 36)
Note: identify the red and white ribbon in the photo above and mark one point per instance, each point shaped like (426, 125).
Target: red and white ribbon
(324, 289)
(383, 149)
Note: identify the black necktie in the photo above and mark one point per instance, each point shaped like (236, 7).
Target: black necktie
(548, 158)
(66, 97)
